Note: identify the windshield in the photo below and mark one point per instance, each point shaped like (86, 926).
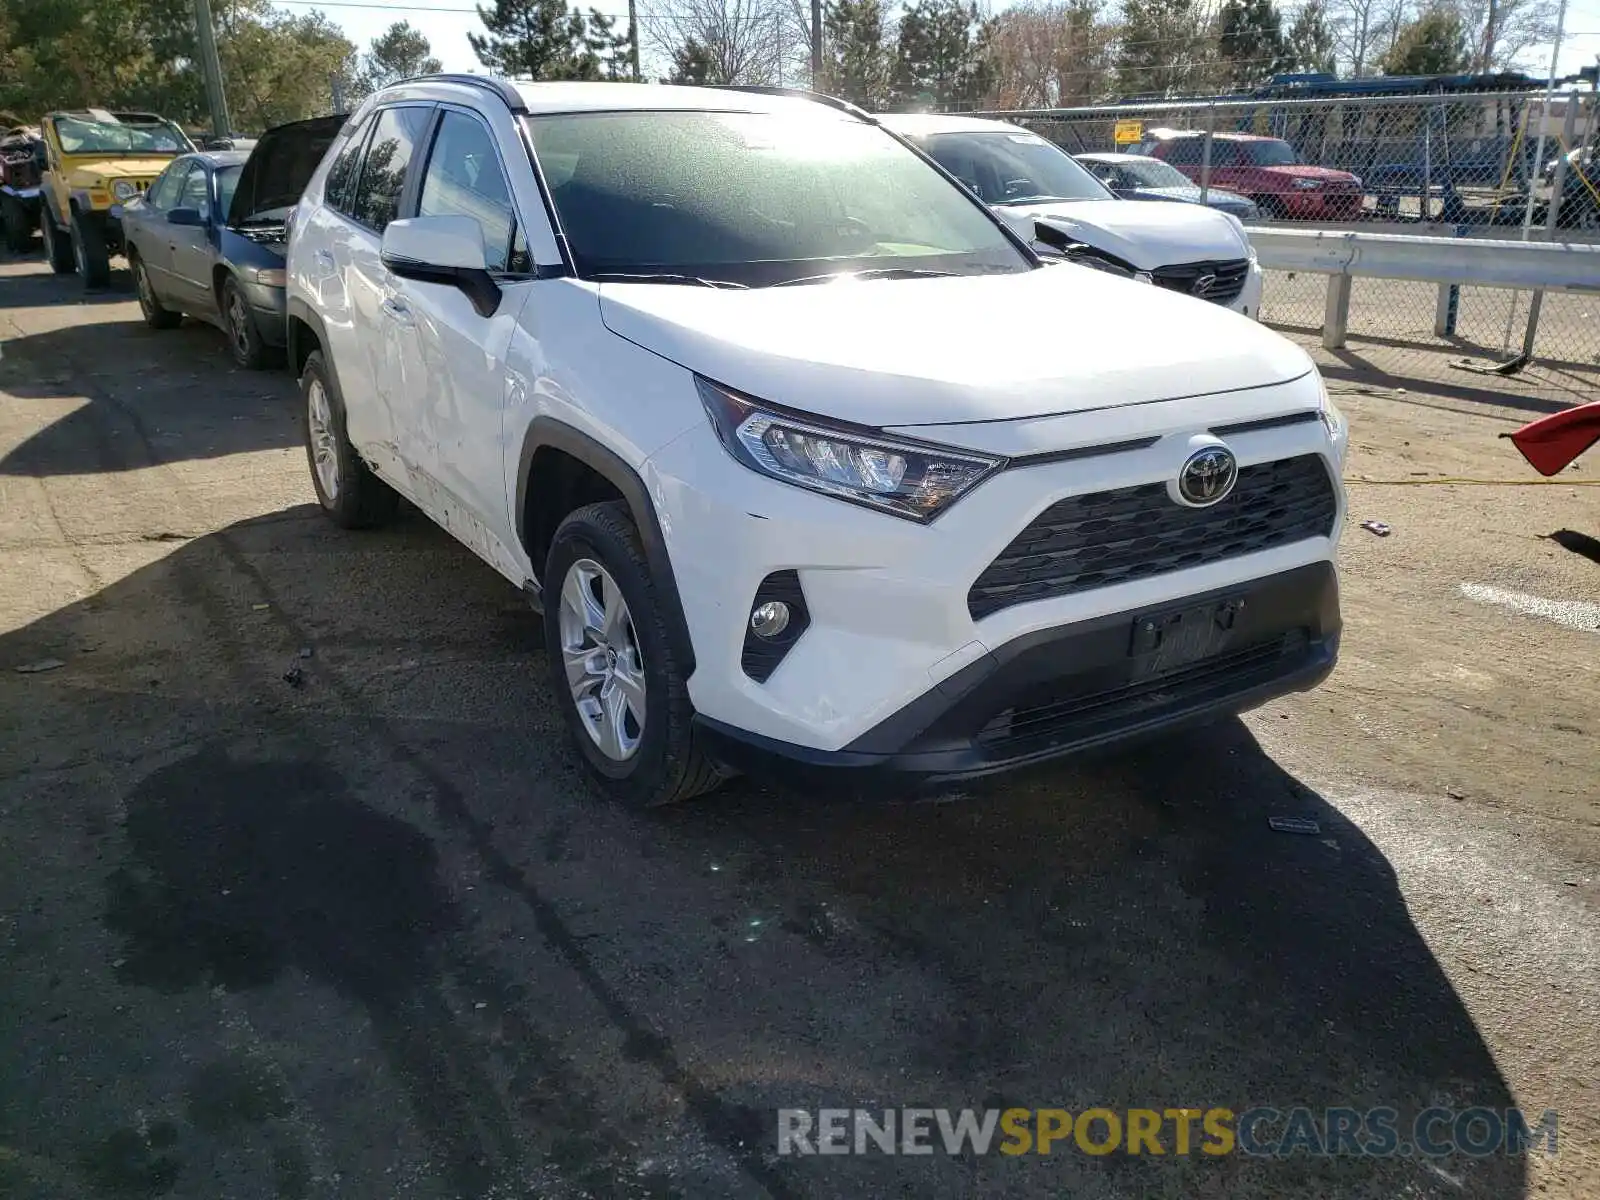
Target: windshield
(227, 184)
(1152, 173)
(1271, 154)
(1010, 167)
(755, 199)
(79, 136)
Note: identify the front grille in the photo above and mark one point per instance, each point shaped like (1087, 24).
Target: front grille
(1219, 282)
(1104, 538)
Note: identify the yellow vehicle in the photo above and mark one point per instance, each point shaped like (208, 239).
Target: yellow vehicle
(95, 162)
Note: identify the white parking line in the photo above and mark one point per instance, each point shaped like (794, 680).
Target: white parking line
(1574, 614)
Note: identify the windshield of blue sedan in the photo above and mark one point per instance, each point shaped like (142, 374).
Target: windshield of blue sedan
(1013, 167)
(1152, 173)
(78, 136)
(754, 199)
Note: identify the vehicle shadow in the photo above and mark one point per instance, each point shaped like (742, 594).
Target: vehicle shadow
(131, 396)
(43, 288)
(1126, 932)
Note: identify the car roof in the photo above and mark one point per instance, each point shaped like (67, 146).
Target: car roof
(572, 97)
(222, 158)
(1108, 156)
(1167, 135)
(925, 124)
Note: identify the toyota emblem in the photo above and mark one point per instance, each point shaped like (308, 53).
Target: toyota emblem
(1207, 476)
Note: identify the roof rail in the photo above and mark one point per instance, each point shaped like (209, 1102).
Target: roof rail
(512, 98)
(799, 94)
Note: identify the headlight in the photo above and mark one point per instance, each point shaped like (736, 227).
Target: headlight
(271, 276)
(1356, 180)
(902, 478)
(1335, 423)
(1307, 184)
(123, 190)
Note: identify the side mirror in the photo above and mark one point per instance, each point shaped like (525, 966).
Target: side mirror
(185, 216)
(447, 250)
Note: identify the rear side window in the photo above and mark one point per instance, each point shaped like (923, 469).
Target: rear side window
(383, 172)
(1184, 151)
(464, 179)
(339, 188)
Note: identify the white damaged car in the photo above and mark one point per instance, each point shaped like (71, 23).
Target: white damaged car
(1050, 198)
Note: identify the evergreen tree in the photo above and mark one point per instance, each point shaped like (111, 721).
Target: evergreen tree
(1311, 43)
(1434, 44)
(857, 64)
(1250, 41)
(543, 39)
(939, 56)
(693, 63)
(1165, 48)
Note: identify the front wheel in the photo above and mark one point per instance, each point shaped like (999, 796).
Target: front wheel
(616, 680)
(89, 251)
(18, 225)
(244, 339)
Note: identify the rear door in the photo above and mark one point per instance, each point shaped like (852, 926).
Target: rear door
(381, 330)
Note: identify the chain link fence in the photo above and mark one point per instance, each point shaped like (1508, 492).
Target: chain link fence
(1482, 164)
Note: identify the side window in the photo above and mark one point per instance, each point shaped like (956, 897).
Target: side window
(164, 191)
(383, 173)
(338, 188)
(1225, 154)
(196, 191)
(1185, 151)
(464, 178)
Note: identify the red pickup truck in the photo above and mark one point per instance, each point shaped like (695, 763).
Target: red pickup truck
(1266, 169)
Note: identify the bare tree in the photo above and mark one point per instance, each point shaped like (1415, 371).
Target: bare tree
(1051, 53)
(741, 41)
(1365, 30)
(1503, 31)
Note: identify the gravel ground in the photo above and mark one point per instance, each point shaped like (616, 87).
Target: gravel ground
(372, 937)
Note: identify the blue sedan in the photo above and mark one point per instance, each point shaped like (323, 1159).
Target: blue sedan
(208, 239)
(1136, 177)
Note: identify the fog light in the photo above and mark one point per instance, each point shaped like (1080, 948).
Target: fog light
(770, 619)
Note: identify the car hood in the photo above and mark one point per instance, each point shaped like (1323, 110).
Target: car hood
(87, 171)
(1145, 235)
(1305, 172)
(969, 348)
(280, 166)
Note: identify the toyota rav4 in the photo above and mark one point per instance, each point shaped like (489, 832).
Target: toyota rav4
(805, 457)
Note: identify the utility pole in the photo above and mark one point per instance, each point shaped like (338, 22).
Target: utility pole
(336, 86)
(205, 40)
(816, 45)
(633, 37)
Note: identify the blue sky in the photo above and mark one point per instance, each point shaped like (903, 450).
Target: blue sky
(446, 24)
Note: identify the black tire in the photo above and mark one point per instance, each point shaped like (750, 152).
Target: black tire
(244, 337)
(357, 499)
(18, 225)
(668, 765)
(1272, 207)
(155, 314)
(57, 245)
(89, 253)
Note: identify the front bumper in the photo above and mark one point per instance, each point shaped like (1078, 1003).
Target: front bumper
(887, 600)
(1064, 691)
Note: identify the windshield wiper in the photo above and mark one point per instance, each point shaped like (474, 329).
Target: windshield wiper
(1037, 199)
(660, 277)
(869, 273)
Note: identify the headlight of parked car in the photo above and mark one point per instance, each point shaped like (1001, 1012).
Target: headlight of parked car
(271, 276)
(123, 190)
(1335, 423)
(1307, 184)
(907, 480)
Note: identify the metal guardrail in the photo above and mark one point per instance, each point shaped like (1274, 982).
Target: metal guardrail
(1451, 263)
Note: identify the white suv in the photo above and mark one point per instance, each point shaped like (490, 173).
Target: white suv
(1048, 196)
(808, 460)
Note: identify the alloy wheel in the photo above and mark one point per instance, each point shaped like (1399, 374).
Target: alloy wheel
(324, 443)
(600, 650)
(238, 325)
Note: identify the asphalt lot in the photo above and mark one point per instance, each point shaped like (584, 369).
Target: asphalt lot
(372, 937)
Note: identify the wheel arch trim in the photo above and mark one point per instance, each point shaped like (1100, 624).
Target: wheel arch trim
(549, 432)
